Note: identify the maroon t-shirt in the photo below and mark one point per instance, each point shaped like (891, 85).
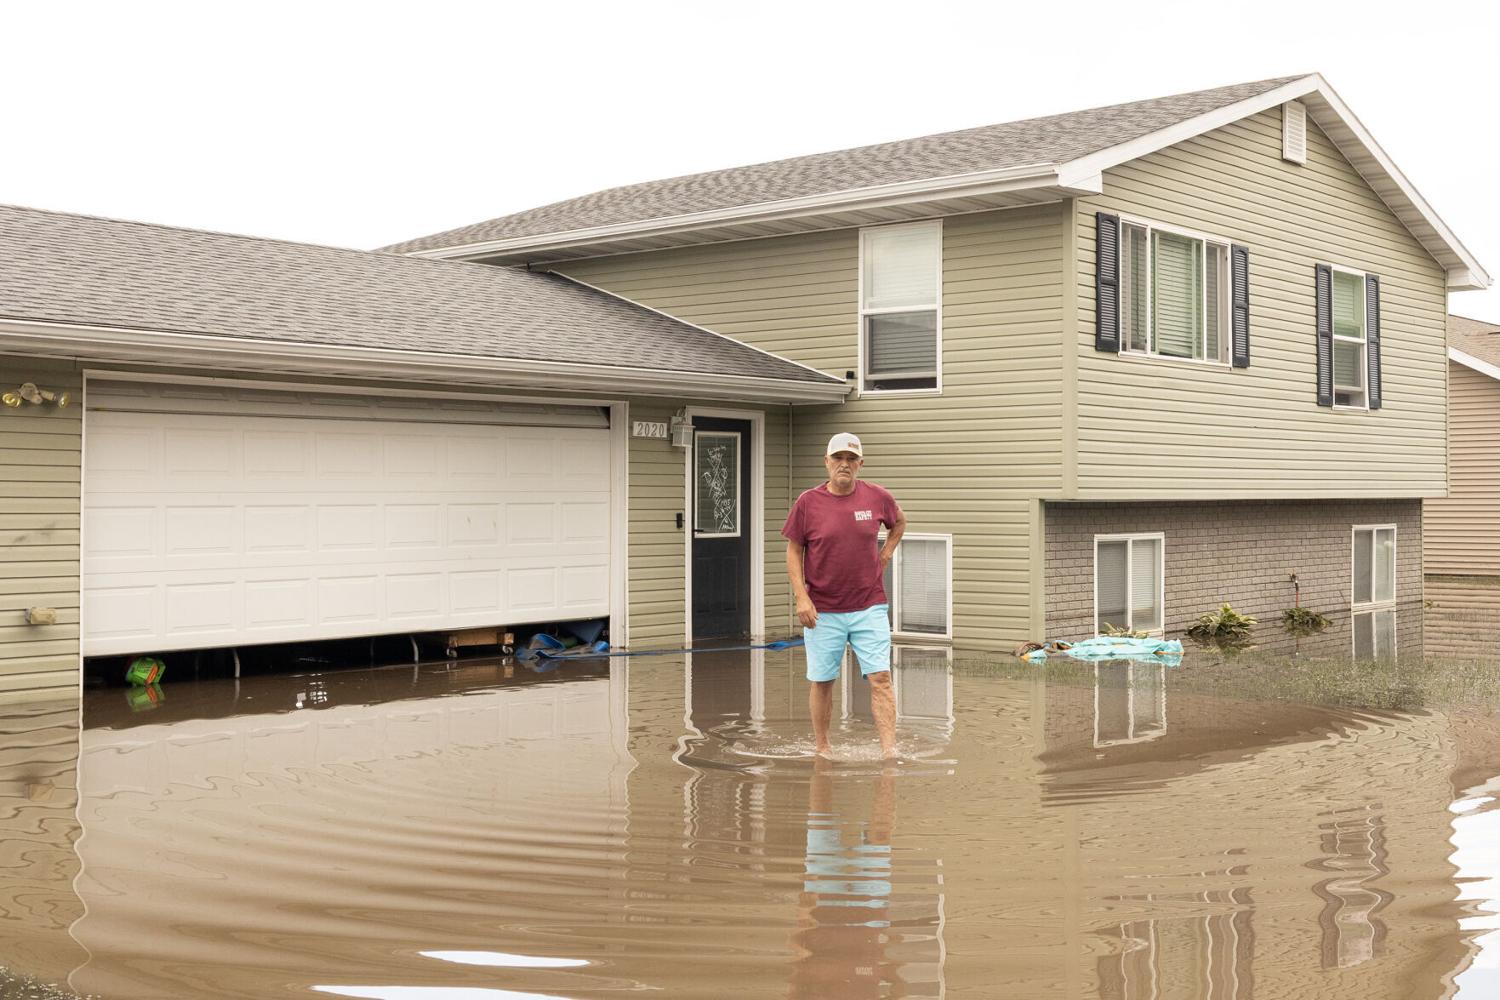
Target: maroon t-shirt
(842, 534)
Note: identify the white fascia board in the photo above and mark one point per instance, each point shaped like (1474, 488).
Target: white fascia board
(1468, 276)
(1469, 361)
(122, 346)
(1025, 177)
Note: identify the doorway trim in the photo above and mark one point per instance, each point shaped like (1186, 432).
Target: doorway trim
(757, 420)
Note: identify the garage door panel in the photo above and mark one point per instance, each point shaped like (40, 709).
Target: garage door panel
(208, 529)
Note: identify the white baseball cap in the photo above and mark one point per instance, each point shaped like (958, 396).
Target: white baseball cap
(845, 442)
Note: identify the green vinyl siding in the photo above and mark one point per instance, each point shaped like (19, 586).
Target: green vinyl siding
(967, 462)
(1159, 428)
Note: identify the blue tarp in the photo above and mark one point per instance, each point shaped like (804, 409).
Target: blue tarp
(1108, 647)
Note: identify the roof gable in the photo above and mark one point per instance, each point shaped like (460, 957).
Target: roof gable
(996, 166)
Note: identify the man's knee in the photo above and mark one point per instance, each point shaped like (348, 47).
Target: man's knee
(880, 679)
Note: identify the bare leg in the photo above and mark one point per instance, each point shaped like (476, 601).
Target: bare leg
(820, 707)
(883, 707)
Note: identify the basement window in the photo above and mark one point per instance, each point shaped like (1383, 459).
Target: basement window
(919, 586)
(1128, 585)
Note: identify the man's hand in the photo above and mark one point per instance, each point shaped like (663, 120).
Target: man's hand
(806, 613)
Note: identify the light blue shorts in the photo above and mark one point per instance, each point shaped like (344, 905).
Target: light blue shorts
(868, 631)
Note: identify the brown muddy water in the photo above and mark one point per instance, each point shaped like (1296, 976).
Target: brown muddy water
(1238, 826)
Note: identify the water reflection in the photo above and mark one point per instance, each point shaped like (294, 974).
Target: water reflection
(1104, 831)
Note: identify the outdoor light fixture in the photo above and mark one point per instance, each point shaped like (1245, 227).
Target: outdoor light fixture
(28, 392)
(682, 430)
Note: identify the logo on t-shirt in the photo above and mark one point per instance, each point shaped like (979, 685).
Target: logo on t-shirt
(864, 515)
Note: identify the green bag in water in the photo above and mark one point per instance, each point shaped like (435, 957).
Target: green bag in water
(145, 670)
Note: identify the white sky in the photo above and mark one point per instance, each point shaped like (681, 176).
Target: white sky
(363, 124)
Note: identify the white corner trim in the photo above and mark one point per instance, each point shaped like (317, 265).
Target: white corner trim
(1469, 361)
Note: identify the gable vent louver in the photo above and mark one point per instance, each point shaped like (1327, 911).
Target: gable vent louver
(1294, 132)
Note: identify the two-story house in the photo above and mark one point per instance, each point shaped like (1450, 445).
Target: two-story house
(1119, 366)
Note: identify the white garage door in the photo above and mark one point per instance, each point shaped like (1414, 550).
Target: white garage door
(224, 517)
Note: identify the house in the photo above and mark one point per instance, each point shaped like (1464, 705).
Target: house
(1463, 529)
(1119, 366)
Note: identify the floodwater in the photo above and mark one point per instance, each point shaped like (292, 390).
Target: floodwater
(657, 825)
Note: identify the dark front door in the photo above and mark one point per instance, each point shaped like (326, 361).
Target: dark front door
(720, 517)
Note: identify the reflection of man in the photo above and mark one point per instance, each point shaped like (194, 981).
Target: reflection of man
(843, 914)
(837, 575)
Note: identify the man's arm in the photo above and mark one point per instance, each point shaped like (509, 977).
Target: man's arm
(806, 613)
(893, 539)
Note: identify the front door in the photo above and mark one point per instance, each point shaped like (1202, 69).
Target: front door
(720, 518)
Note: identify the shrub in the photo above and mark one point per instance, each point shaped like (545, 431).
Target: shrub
(1303, 621)
(1225, 623)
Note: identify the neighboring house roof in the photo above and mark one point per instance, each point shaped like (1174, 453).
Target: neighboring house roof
(994, 166)
(1475, 344)
(138, 286)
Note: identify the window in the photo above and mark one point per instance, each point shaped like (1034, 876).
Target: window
(919, 584)
(1374, 565)
(716, 472)
(1128, 582)
(1174, 294)
(900, 307)
(1349, 340)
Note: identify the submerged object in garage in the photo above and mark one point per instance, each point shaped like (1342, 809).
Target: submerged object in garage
(145, 670)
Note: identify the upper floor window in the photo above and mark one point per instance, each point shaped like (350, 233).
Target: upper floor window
(1349, 361)
(900, 307)
(1348, 331)
(1174, 294)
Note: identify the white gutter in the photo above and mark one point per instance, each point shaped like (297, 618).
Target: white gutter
(1469, 361)
(157, 347)
(1018, 178)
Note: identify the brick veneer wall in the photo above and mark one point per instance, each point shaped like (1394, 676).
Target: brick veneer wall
(1236, 551)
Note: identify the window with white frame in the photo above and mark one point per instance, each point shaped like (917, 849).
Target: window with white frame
(1128, 585)
(1174, 293)
(1349, 341)
(919, 586)
(1374, 565)
(900, 308)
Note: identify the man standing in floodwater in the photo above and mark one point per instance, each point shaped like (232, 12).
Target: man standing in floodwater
(837, 566)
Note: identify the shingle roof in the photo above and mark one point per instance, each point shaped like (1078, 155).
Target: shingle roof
(1051, 140)
(81, 270)
(1475, 338)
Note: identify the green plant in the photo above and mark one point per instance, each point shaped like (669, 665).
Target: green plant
(1303, 621)
(1225, 623)
(1115, 632)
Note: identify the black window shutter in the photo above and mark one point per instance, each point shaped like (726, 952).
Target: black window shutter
(1372, 336)
(1239, 304)
(1324, 284)
(1107, 282)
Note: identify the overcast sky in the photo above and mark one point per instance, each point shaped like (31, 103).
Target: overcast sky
(363, 124)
